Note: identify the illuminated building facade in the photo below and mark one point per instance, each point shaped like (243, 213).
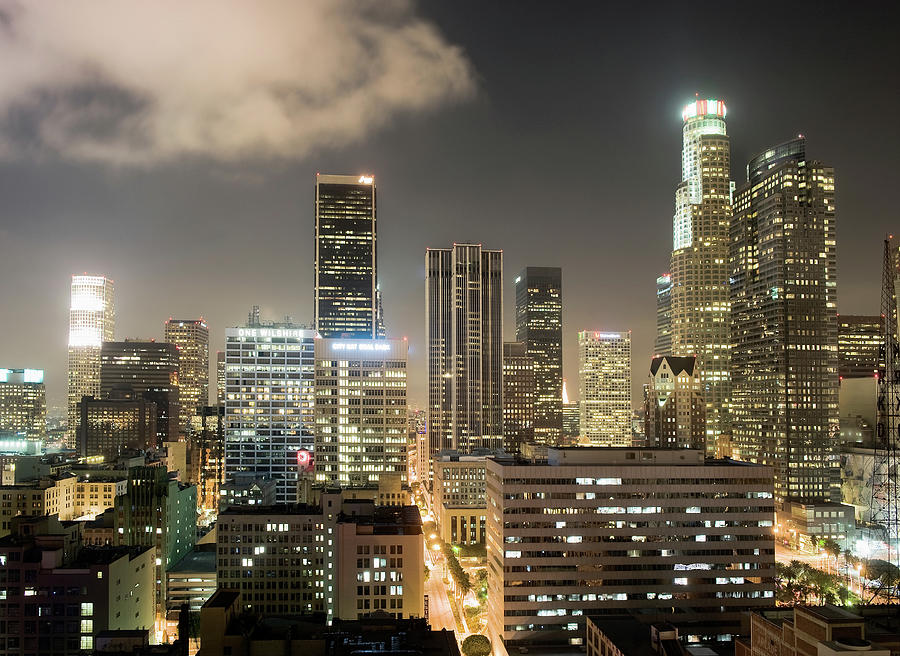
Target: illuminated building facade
(269, 403)
(208, 443)
(23, 402)
(346, 260)
(191, 338)
(148, 369)
(360, 410)
(110, 427)
(663, 342)
(539, 326)
(784, 323)
(92, 321)
(459, 495)
(674, 411)
(596, 530)
(699, 263)
(220, 377)
(464, 333)
(519, 392)
(859, 339)
(571, 415)
(604, 369)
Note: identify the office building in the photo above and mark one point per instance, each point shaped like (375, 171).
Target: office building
(159, 512)
(459, 495)
(191, 338)
(351, 558)
(859, 339)
(269, 403)
(192, 580)
(147, 369)
(346, 258)
(571, 415)
(220, 377)
(360, 410)
(539, 326)
(674, 411)
(663, 342)
(593, 530)
(464, 335)
(94, 589)
(699, 262)
(604, 370)
(92, 321)
(23, 402)
(519, 394)
(113, 427)
(784, 324)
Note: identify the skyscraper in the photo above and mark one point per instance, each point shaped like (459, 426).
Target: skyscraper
(518, 396)
(663, 343)
(674, 412)
(784, 322)
(360, 432)
(346, 259)
(147, 369)
(699, 264)
(859, 339)
(604, 370)
(92, 321)
(191, 338)
(220, 378)
(539, 326)
(23, 402)
(464, 332)
(571, 415)
(269, 403)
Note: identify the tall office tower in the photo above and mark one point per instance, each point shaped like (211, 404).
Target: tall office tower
(784, 323)
(859, 339)
(663, 342)
(464, 326)
(110, 427)
(674, 411)
(571, 415)
(148, 369)
(346, 262)
(208, 441)
(92, 321)
(220, 378)
(23, 402)
(604, 370)
(519, 396)
(360, 410)
(191, 338)
(563, 546)
(539, 325)
(699, 264)
(269, 403)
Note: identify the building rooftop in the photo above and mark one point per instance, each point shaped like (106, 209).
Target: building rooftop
(676, 364)
(196, 561)
(93, 556)
(222, 598)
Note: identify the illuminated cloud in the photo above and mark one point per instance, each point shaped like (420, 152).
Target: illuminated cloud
(137, 82)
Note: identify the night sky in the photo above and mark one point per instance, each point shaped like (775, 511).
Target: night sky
(175, 150)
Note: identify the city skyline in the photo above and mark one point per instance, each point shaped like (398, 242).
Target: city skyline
(89, 207)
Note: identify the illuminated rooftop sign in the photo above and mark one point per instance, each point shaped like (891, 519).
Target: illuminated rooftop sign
(703, 108)
(34, 376)
(361, 346)
(366, 179)
(274, 332)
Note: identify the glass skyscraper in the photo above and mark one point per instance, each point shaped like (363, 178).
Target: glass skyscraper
(92, 321)
(346, 258)
(604, 374)
(539, 326)
(191, 338)
(699, 264)
(784, 323)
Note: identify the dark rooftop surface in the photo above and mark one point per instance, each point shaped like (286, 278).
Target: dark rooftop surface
(196, 561)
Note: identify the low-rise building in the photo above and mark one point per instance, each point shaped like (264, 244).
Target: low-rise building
(596, 530)
(57, 596)
(822, 631)
(459, 495)
(345, 558)
(247, 490)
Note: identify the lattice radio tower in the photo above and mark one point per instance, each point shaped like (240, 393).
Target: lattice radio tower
(885, 506)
